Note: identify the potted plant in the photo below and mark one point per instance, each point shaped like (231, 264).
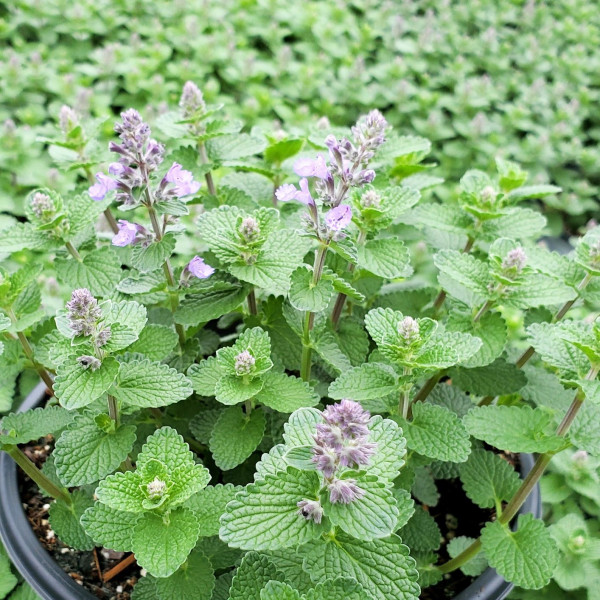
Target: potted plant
(258, 390)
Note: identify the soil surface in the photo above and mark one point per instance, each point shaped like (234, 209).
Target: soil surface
(455, 515)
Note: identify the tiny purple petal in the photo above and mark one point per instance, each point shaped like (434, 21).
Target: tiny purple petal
(309, 167)
(344, 491)
(338, 218)
(116, 169)
(183, 181)
(126, 235)
(304, 194)
(198, 268)
(286, 192)
(99, 190)
(311, 510)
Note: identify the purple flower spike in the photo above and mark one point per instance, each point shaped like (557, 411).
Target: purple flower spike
(126, 235)
(183, 181)
(99, 190)
(286, 192)
(311, 510)
(338, 218)
(309, 167)
(116, 169)
(198, 268)
(344, 491)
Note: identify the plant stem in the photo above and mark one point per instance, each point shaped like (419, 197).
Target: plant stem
(428, 387)
(309, 317)
(543, 460)
(341, 298)
(483, 310)
(113, 409)
(73, 252)
(210, 184)
(158, 232)
(41, 480)
(29, 354)
(252, 303)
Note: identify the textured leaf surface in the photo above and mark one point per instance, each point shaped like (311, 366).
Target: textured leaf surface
(368, 381)
(65, 521)
(85, 453)
(265, 515)
(421, 533)
(285, 393)
(195, 579)
(513, 428)
(199, 308)
(155, 341)
(162, 547)
(20, 428)
(499, 377)
(205, 375)
(151, 257)
(438, 433)
(254, 572)
(387, 258)
(236, 436)
(383, 567)
(391, 448)
(305, 295)
(526, 557)
(76, 387)
(209, 504)
(109, 527)
(477, 565)
(301, 427)
(148, 384)
(488, 479)
(466, 270)
(277, 590)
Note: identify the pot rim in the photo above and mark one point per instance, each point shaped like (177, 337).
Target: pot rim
(48, 579)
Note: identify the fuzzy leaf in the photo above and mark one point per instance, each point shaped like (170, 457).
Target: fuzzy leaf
(212, 304)
(232, 389)
(391, 448)
(265, 515)
(209, 504)
(162, 546)
(85, 452)
(499, 377)
(64, 520)
(254, 572)
(464, 269)
(109, 527)
(537, 289)
(285, 393)
(474, 567)
(388, 258)
(247, 431)
(277, 590)
(421, 533)
(148, 384)
(305, 295)
(301, 427)
(20, 428)
(76, 387)
(383, 567)
(194, 579)
(155, 342)
(488, 479)
(205, 375)
(368, 381)
(526, 557)
(513, 428)
(438, 433)
(152, 257)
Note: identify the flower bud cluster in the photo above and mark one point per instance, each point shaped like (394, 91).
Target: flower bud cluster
(156, 489)
(249, 229)
(67, 119)
(408, 330)
(370, 199)
(342, 442)
(191, 102)
(42, 206)
(514, 262)
(84, 315)
(244, 362)
(595, 254)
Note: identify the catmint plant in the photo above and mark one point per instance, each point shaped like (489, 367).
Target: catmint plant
(256, 385)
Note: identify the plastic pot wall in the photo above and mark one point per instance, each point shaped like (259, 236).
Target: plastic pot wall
(52, 583)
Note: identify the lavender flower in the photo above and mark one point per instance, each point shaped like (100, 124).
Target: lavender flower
(192, 101)
(244, 362)
(344, 491)
(198, 268)
(309, 167)
(288, 192)
(99, 190)
(127, 233)
(514, 262)
(83, 312)
(369, 131)
(338, 218)
(182, 180)
(311, 510)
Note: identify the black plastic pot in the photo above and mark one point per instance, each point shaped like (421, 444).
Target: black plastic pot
(52, 583)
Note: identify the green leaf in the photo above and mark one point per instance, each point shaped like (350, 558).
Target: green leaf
(383, 567)
(369, 381)
(155, 341)
(145, 589)
(20, 428)
(464, 269)
(246, 430)
(7, 580)
(194, 579)
(424, 488)
(162, 545)
(372, 516)
(232, 389)
(437, 432)
(474, 567)
(231, 147)
(514, 428)
(148, 384)
(342, 588)
(516, 224)
(526, 557)
(254, 572)
(537, 289)
(499, 377)
(387, 257)
(527, 192)
(205, 375)
(389, 454)
(277, 590)
(421, 533)
(122, 492)
(127, 313)
(301, 427)
(99, 271)
(64, 520)
(341, 286)
(488, 479)
(86, 452)
(109, 527)
(285, 393)
(490, 329)
(265, 515)
(280, 151)
(152, 257)
(76, 387)
(209, 504)
(305, 295)
(212, 304)
(442, 217)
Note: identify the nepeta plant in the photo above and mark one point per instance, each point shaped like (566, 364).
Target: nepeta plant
(208, 338)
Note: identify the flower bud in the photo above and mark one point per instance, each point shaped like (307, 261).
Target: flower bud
(311, 510)
(83, 312)
(244, 362)
(580, 458)
(344, 491)
(42, 206)
(249, 229)
(156, 489)
(67, 119)
(371, 199)
(89, 362)
(192, 100)
(514, 261)
(408, 329)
